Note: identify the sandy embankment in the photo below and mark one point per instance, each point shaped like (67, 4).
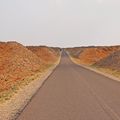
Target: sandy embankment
(95, 70)
(12, 108)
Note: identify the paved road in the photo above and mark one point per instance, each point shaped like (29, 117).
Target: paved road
(75, 93)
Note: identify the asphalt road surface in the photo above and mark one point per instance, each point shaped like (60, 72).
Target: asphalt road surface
(75, 93)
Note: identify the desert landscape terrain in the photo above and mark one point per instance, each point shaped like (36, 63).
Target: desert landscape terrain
(19, 66)
(59, 59)
(103, 58)
(33, 79)
(73, 92)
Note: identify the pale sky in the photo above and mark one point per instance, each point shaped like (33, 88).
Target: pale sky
(60, 22)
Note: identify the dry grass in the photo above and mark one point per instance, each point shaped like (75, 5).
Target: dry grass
(112, 72)
(7, 94)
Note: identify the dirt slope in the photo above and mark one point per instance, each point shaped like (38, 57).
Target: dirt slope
(47, 54)
(91, 55)
(112, 61)
(16, 64)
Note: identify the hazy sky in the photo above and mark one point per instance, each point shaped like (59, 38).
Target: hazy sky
(60, 22)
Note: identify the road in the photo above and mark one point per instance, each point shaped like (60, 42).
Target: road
(75, 93)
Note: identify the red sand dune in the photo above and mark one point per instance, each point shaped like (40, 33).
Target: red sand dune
(112, 61)
(47, 54)
(91, 55)
(16, 63)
